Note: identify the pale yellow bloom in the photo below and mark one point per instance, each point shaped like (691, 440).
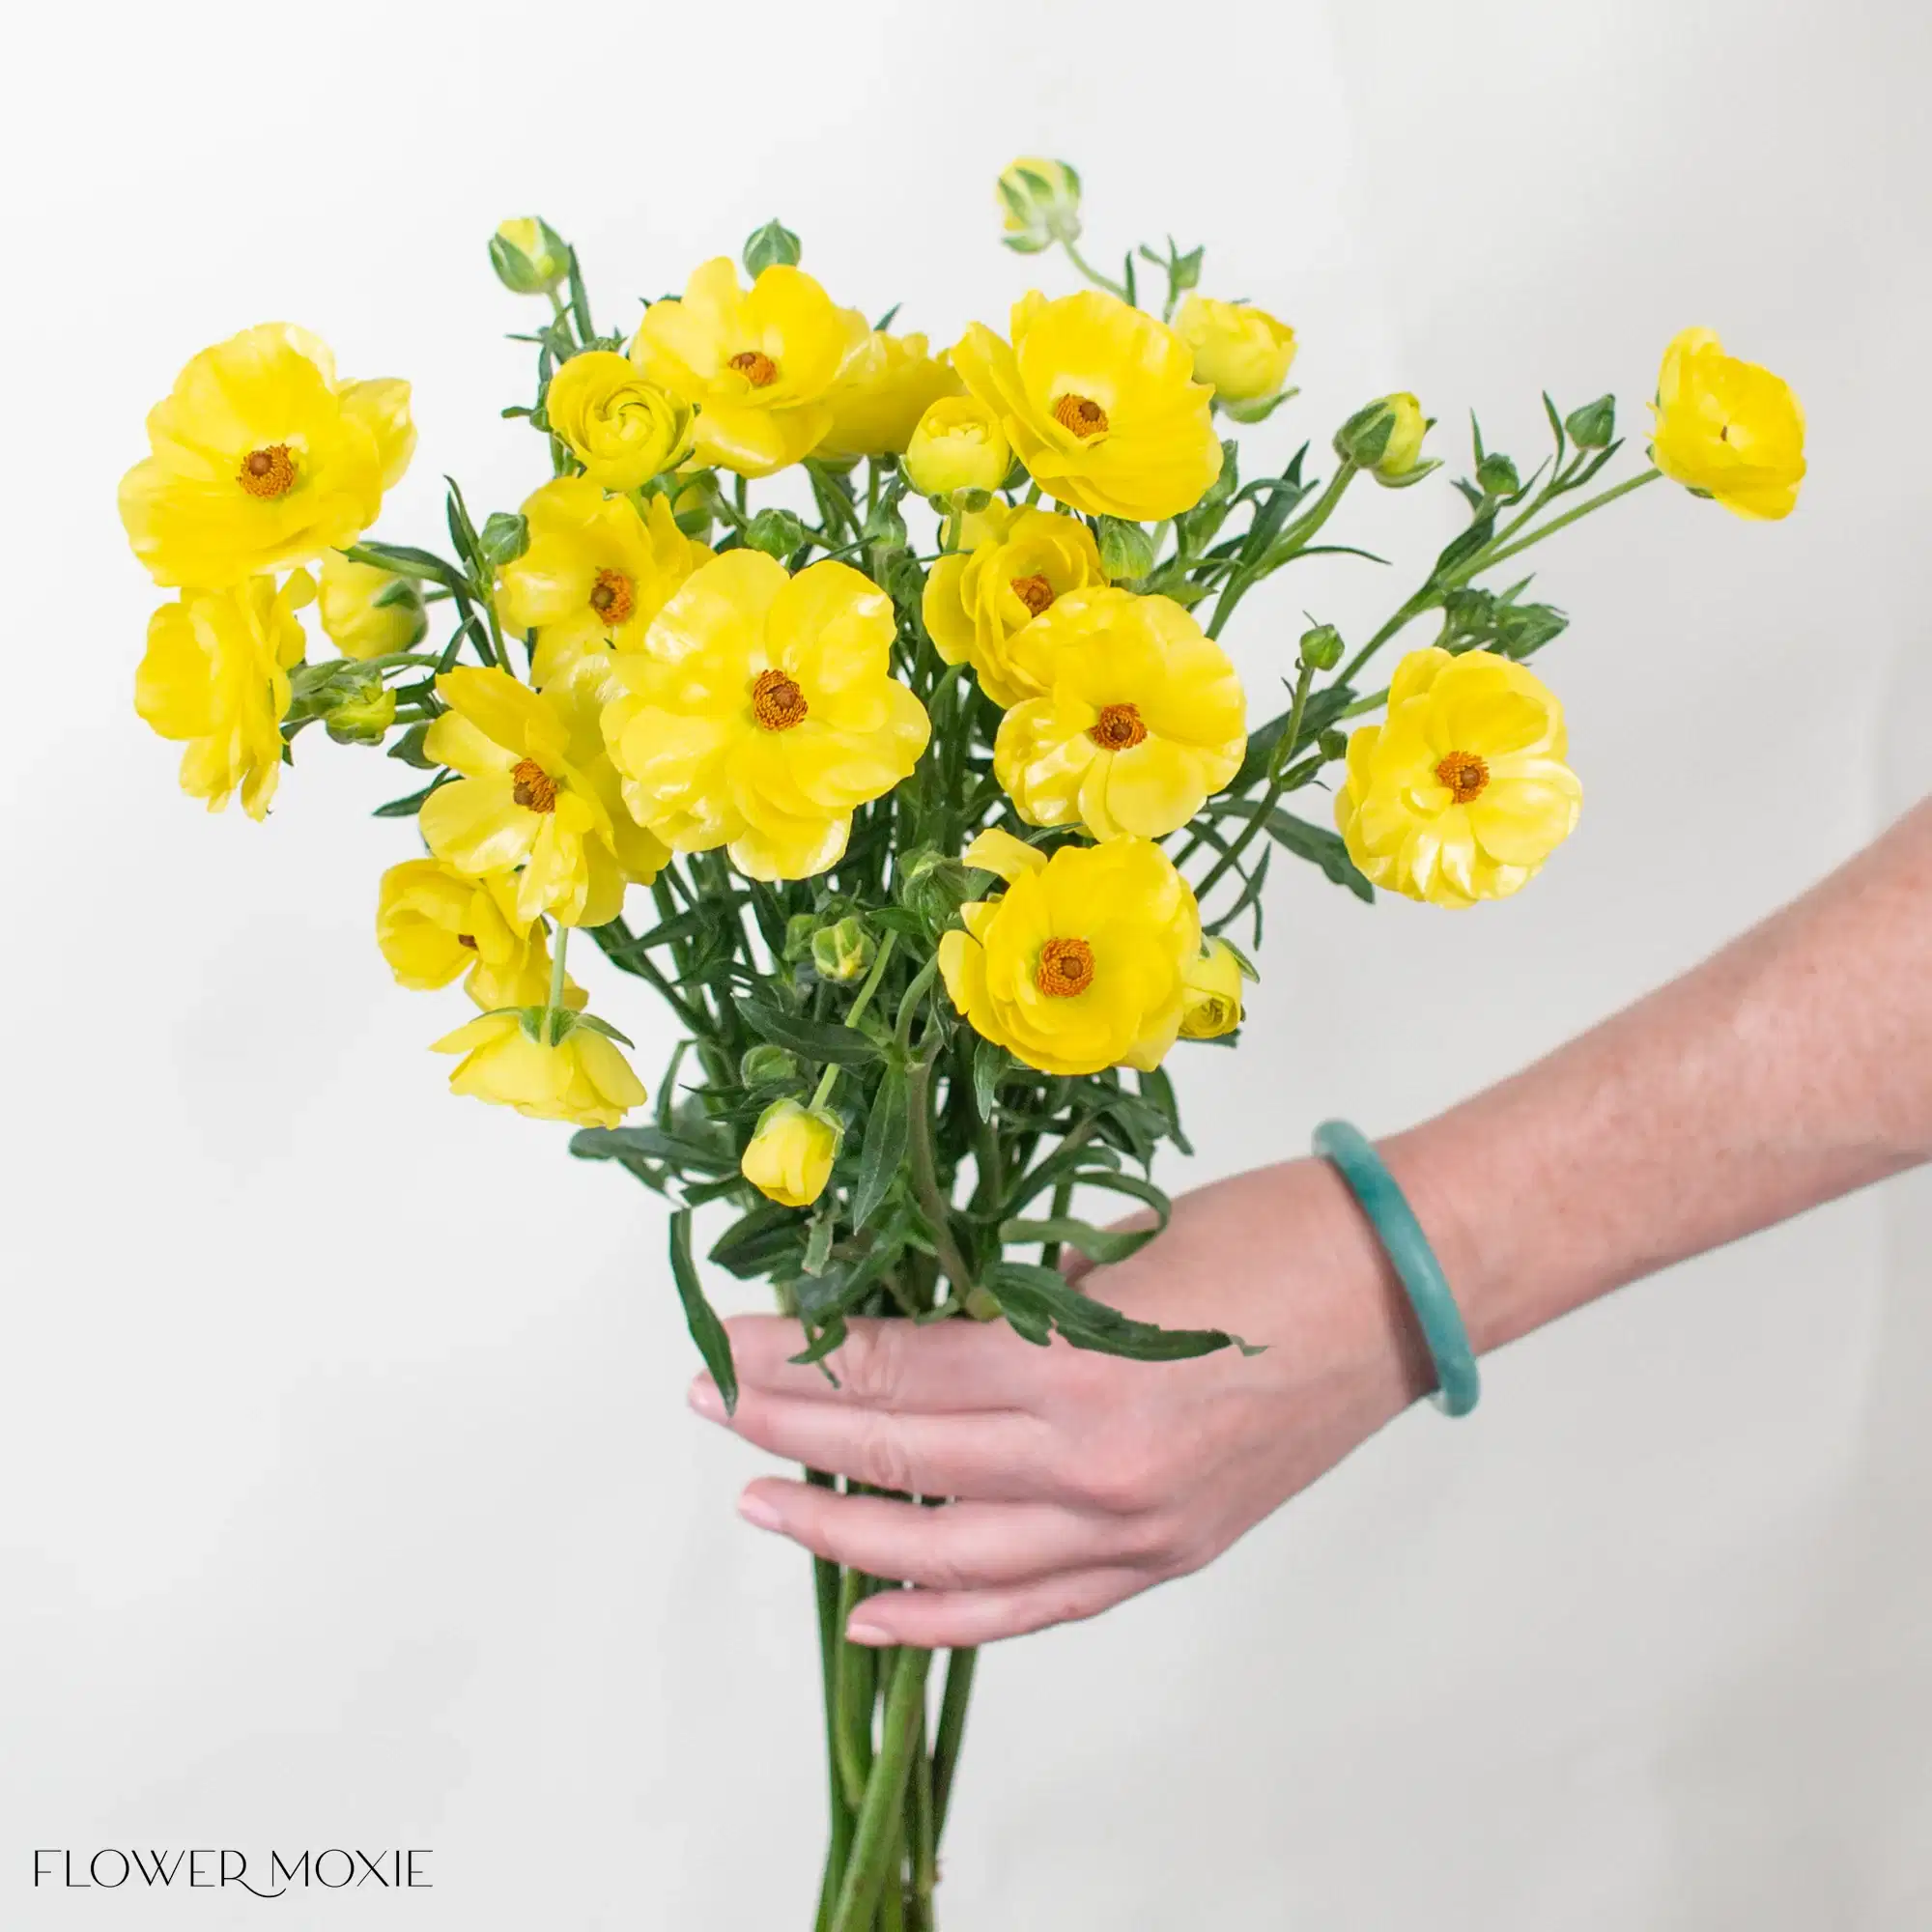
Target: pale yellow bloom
(1141, 719)
(217, 674)
(761, 365)
(622, 429)
(507, 1060)
(1214, 993)
(1082, 963)
(1242, 349)
(876, 408)
(1727, 427)
(958, 445)
(368, 612)
(435, 924)
(790, 1155)
(1021, 564)
(1462, 793)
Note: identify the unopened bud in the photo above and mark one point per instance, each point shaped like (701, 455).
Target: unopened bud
(1595, 425)
(363, 713)
(1385, 437)
(841, 952)
(529, 256)
(769, 1065)
(1042, 199)
(1321, 647)
(776, 532)
(772, 246)
(1127, 550)
(1497, 475)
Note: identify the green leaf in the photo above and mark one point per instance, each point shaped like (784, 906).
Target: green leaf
(706, 1330)
(810, 1040)
(1465, 546)
(1314, 843)
(758, 1239)
(405, 560)
(505, 537)
(1321, 710)
(1097, 1244)
(990, 1059)
(1157, 1091)
(408, 747)
(1075, 1164)
(408, 808)
(883, 1151)
(1040, 1302)
(651, 1143)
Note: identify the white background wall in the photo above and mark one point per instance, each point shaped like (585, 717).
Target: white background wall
(349, 1492)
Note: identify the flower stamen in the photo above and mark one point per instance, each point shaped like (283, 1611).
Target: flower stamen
(756, 367)
(1066, 968)
(534, 787)
(1117, 728)
(1081, 414)
(466, 941)
(1034, 592)
(1465, 774)
(776, 702)
(612, 597)
(267, 473)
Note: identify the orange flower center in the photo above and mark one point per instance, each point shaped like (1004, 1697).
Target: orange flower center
(1464, 773)
(1117, 728)
(756, 367)
(534, 786)
(776, 702)
(267, 473)
(464, 939)
(1034, 592)
(1066, 967)
(1081, 414)
(612, 597)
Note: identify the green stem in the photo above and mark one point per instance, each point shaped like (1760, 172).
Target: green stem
(1284, 550)
(876, 1833)
(1557, 524)
(830, 1638)
(855, 1668)
(922, 1846)
(829, 1077)
(951, 1734)
(1244, 839)
(1093, 274)
(1414, 607)
(553, 1010)
(926, 1177)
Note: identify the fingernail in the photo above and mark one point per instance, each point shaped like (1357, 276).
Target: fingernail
(757, 1512)
(705, 1399)
(858, 1631)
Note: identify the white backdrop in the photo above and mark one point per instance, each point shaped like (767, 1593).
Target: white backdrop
(349, 1494)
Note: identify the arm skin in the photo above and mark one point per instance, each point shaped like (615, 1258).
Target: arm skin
(1793, 1068)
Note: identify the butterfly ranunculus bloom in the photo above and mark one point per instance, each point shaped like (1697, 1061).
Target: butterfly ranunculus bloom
(595, 573)
(1214, 993)
(976, 605)
(507, 1060)
(217, 674)
(1240, 349)
(530, 795)
(1099, 402)
(761, 712)
(622, 429)
(888, 388)
(1462, 792)
(1082, 963)
(791, 1152)
(435, 924)
(1143, 715)
(760, 365)
(368, 612)
(261, 458)
(958, 445)
(1727, 427)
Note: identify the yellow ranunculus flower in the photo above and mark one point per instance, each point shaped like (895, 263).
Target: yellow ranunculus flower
(583, 1078)
(435, 924)
(1082, 963)
(886, 390)
(1728, 428)
(1101, 403)
(528, 255)
(1461, 793)
(762, 712)
(523, 799)
(975, 606)
(1214, 993)
(790, 1155)
(369, 611)
(217, 674)
(958, 445)
(1242, 349)
(1042, 202)
(622, 429)
(1143, 717)
(759, 364)
(595, 573)
(261, 460)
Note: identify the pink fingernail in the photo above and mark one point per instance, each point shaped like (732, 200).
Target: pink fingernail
(757, 1512)
(706, 1401)
(858, 1631)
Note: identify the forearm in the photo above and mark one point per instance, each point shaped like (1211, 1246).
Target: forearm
(1793, 1068)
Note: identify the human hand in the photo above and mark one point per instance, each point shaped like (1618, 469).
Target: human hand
(1075, 1479)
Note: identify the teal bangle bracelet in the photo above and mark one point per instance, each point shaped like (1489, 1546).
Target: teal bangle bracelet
(1349, 1152)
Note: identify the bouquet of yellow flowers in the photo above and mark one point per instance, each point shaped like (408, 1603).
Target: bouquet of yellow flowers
(923, 794)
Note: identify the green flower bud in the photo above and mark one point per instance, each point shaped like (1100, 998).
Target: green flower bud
(1521, 629)
(529, 256)
(1385, 437)
(363, 712)
(504, 537)
(1127, 550)
(933, 886)
(841, 952)
(799, 929)
(1497, 475)
(1333, 745)
(774, 245)
(769, 1065)
(1321, 647)
(1042, 204)
(776, 532)
(1595, 425)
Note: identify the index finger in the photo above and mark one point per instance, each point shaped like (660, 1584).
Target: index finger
(944, 1368)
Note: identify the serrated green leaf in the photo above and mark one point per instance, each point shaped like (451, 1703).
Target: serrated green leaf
(1040, 1302)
